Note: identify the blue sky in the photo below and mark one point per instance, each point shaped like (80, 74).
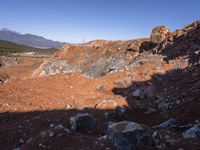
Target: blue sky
(78, 20)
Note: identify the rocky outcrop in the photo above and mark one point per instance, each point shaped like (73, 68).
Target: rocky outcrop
(58, 66)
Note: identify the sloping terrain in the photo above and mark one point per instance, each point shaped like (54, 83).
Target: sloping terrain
(113, 81)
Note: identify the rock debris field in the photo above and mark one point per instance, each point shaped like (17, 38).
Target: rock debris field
(141, 94)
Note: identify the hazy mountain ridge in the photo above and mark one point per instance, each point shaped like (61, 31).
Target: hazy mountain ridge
(28, 39)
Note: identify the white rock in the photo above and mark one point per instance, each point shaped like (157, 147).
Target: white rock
(51, 134)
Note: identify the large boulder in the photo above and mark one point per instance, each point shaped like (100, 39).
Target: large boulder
(83, 121)
(159, 34)
(128, 135)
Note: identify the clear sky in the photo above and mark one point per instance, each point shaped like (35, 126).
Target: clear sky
(78, 20)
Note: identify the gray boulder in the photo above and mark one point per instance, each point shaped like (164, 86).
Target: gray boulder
(83, 121)
(128, 135)
(192, 132)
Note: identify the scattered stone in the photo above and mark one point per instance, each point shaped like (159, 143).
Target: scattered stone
(120, 111)
(51, 134)
(166, 124)
(103, 137)
(150, 110)
(128, 135)
(101, 88)
(192, 132)
(60, 126)
(156, 137)
(165, 106)
(83, 121)
(51, 125)
(30, 140)
(41, 145)
(139, 93)
(21, 141)
(68, 106)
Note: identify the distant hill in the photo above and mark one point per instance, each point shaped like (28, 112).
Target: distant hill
(7, 48)
(28, 39)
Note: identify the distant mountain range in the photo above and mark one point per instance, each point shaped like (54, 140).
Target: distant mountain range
(28, 39)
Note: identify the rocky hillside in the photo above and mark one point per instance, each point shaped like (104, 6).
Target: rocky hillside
(95, 59)
(141, 94)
